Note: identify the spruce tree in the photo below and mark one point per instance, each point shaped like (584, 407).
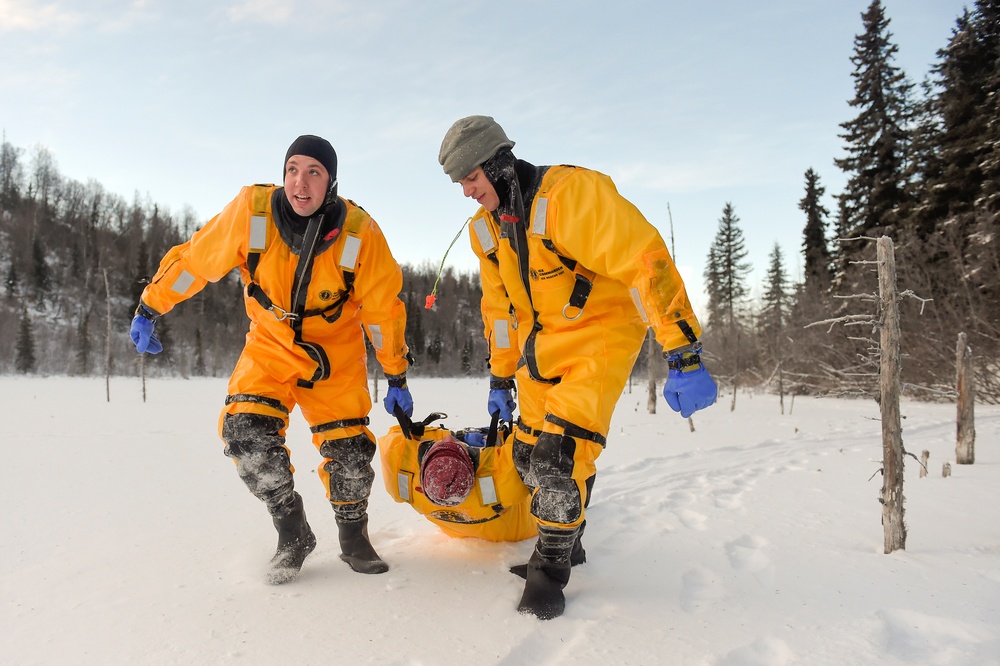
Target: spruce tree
(24, 355)
(774, 310)
(83, 346)
(435, 347)
(726, 272)
(814, 244)
(877, 138)
(40, 276)
(965, 109)
(199, 355)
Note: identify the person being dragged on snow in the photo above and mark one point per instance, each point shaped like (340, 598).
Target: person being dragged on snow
(318, 276)
(572, 277)
(465, 482)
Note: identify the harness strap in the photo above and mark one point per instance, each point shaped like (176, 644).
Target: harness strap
(687, 331)
(300, 287)
(343, 423)
(584, 279)
(258, 399)
(575, 431)
(257, 245)
(527, 430)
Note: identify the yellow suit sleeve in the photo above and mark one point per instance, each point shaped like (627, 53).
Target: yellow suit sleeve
(378, 281)
(209, 255)
(592, 223)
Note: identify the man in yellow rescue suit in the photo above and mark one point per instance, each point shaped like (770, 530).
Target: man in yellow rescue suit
(572, 275)
(318, 275)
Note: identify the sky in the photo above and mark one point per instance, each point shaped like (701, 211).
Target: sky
(686, 105)
(754, 540)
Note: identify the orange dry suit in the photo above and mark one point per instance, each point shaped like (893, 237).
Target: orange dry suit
(568, 294)
(323, 284)
(497, 508)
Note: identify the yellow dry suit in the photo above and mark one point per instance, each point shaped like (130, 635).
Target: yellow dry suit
(568, 294)
(497, 508)
(311, 295)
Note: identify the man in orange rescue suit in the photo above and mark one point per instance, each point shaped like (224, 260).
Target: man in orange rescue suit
(318, 276)
(572, 276)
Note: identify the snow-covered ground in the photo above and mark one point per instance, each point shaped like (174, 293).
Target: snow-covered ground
(127, 538)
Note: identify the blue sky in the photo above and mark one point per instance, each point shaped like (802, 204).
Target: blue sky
(685, 105)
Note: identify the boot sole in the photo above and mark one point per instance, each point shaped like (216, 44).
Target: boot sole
(365, 566)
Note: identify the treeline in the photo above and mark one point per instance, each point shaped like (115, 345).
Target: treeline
(74, 259)
(922, 168)
(921, 165)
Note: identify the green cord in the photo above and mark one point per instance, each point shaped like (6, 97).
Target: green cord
(441, 267)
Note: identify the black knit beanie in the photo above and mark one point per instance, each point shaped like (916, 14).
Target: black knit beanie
(320, 150)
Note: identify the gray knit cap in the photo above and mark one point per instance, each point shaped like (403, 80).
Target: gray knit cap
(470, 142)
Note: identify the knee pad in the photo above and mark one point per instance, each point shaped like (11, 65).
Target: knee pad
(348, 468)
(246, 433)
(254, 442)
(557, 498)
(521, 452)
(553, 455)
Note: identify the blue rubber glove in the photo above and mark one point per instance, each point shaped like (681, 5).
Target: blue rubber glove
(398, 396)
(142, 334)
(476, 439)
(689, 387)
(501, 399)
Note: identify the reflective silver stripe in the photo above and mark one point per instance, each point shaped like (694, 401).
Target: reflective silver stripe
(258, 233)
(403, 484)
(375, 335)
(183, 282)
(501, 334)
(538, 223)
(638, 304)
(483, 234)
(349, 257)
(488, 490)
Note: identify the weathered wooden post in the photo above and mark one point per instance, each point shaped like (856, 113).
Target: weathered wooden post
(965, 446)
(107, 340)
(924, 455)
(893, 525)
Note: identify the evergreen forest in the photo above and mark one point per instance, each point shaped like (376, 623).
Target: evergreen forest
(921, 163)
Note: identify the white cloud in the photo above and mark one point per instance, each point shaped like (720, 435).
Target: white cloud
(261, 11)
(29, 16)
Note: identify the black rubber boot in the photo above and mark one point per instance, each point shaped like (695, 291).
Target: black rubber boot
(577, 556)
(548, 573)
(295, 541)
(355, 547)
